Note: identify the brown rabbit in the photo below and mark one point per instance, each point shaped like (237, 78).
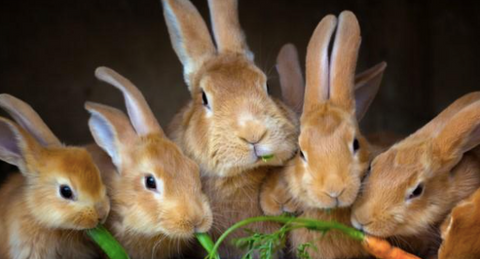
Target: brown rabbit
(333, 155)
(461, 229)
(367, 84)
(231, 121)
(415, 183)
(59, 193)
(157, 199)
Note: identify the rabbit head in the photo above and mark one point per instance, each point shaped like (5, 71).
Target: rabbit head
(157, 189)
(63, 188)
(416, 182)
(232, 120)
(333, 153)
(460, 231)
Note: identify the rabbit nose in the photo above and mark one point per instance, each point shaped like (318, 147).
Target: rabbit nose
(359, 225)
(252, 132)
(201, 225)
(102, 212)
(334, 194)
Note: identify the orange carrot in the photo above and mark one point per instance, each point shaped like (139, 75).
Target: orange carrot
(380, 248)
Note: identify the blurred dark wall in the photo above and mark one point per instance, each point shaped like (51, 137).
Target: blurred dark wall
(50, 49)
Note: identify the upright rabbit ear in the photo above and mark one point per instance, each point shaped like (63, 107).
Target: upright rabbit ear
(189, 35)
(140, 114)
(26, 117)
(110, 129)
(460, 134)
(291, 79)
(344, 61)
(226, 27)
(317, 89)
(16, 146)
(366, 88)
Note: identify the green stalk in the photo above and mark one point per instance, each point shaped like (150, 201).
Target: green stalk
(266, 158)
(107, 242)
(298, 222)
(207, 243)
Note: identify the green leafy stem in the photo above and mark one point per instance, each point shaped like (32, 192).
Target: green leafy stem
(292, 223)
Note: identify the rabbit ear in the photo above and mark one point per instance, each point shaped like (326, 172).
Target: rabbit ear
(226, 27)
(316, 89)
(291, 79)
(26, 117)
(366, 88)
(344, 60)
(141, 116)
(189, 35)
(110, 129)
(460, 134)
(432, 127)
(16, 146)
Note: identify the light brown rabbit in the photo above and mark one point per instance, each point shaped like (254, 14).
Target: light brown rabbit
(333, 155)
(367, 84)
(231, 121)
(59, 193)
(415, 183)
(157, 199)
(461, 229)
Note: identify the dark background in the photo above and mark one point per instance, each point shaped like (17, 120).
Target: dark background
(50, 49)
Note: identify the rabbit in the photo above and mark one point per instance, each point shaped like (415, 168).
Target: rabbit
(157, 198)
(333, 156)
(415, 183)
(58, 193)
(231, 123)
(461, 229)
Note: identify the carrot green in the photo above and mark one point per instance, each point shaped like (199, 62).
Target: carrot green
(207, 243)
(266, 158)
(107, 242)
(265, 245)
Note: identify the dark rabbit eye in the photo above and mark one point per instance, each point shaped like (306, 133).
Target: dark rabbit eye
(356, 145)
(367, 172)
(150, 182)
(417, 192)
(204, 99)
(66, 192)
(302, 155)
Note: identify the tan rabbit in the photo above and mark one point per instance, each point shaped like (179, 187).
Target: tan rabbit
(59, 193)
(333, 155)
(415, 183)
(461, 229)
(231, 121)
(157, 199)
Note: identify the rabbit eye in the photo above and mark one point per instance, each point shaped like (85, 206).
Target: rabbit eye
(367, 173)
(150, 183)
(417, 192)
(356, 145)
(66, 192)
(302, 156)
(205, 100)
